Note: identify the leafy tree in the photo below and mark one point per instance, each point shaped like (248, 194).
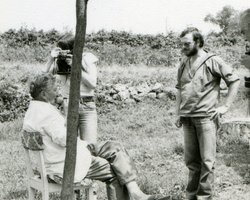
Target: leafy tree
(226, 19)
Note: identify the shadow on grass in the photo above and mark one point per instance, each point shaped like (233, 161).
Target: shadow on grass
(237, 156)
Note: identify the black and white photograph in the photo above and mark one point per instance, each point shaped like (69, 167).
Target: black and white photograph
(124, 100)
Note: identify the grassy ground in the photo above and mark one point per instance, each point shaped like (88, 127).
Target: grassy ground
(147, 130)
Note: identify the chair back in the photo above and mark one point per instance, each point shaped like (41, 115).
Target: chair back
(33, 146)
(37, 178)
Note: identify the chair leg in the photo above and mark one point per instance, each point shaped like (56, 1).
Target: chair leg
(91, 193)
(31, 193)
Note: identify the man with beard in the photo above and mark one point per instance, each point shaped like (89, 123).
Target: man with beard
(198, 85)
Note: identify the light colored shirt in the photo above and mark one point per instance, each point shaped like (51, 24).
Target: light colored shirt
(88, 64)
(200, 86)
(44, 118)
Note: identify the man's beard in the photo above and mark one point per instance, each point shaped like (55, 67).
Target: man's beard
(192, 52)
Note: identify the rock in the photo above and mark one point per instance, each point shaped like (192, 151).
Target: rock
(123, 95)
(112, 91)
(143, 88)
(137, 98)
(129, 101)
(141, 94)
(162, 95)
(119, 87)
(151, 95)
(132, 91)
(116, 97)
(158, 87)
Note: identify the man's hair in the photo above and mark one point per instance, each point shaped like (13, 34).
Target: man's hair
(39, 83)
(196, 35)
(66, 42)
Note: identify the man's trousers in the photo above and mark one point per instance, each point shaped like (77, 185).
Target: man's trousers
(112, 165)
(199, 152)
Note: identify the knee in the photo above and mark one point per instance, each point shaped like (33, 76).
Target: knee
(115, 146)
(209, 165)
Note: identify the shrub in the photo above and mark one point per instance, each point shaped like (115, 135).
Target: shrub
(113, 47)
(13, 101)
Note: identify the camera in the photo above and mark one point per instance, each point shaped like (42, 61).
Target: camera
(63, 67)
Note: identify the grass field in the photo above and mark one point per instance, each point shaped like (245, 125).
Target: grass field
(147, 130)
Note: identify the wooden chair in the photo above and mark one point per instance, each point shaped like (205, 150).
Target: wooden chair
(37, 177)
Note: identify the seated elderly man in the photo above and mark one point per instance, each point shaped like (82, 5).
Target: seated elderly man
(107, 162)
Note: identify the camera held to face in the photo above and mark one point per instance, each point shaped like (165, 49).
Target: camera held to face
(63, 58)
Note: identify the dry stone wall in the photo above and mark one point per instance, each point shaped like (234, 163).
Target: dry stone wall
(130, 94)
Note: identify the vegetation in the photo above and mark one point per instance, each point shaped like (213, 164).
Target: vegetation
(113, 48)
(227, 19)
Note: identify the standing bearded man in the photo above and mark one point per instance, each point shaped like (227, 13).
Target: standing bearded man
(198, 85)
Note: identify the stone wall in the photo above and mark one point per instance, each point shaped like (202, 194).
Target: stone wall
(129, 93)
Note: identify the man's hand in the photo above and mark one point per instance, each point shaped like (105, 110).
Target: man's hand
(55, 52)
(218, 112)
(178, 123)
(69, 60)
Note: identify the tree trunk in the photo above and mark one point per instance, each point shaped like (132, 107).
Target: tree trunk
(235, 130)
(72, 119)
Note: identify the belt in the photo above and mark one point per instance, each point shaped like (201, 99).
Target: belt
(87, 99)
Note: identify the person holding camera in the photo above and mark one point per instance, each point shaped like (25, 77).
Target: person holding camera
(59, 64)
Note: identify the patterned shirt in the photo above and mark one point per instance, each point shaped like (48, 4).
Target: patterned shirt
(200, 85)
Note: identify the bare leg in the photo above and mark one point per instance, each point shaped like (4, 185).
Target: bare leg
(135, 192)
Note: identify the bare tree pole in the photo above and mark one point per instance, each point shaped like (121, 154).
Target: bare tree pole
(74, 96)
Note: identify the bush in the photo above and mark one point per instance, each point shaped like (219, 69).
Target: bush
(121, 48)
(115, 48)
(13, 102)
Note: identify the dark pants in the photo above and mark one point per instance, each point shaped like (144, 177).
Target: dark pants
(112, 165)
(199, 150)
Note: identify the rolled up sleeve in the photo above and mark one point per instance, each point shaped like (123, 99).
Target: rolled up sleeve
(223, 70)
